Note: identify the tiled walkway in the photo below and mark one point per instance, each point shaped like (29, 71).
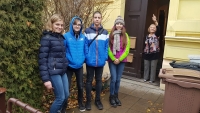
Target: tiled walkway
(136, 97)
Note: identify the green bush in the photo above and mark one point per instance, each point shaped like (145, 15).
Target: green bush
(20, 32)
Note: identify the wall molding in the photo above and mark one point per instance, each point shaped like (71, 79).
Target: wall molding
(178, 48)
(183, 39)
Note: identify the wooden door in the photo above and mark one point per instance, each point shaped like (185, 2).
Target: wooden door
(135, 20)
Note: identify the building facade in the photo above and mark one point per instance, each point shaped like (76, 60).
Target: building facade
(180, 29)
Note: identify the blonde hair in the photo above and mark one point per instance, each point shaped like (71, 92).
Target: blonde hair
(150, 26)
(54, 18)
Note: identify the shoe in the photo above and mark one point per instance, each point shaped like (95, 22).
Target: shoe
(81, 107)
(64, 108)
(151, 81)
(112, 101)
(63, 111)
(118, 102)
(88, 106)
(145, 80)
(99, 104)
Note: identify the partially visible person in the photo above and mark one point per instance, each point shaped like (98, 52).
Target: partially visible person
(119, 46)
(96, 56)
(151, 51)
(53, 63)
(75, 42)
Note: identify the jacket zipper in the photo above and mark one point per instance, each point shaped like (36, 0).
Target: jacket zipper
(62, 54)
(54, 61)
(97, 48)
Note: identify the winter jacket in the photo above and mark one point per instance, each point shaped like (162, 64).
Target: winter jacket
(122, 54)
(52, 60)
(75, 46)
(97, 52)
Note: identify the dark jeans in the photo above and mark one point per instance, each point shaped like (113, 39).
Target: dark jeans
(79, 80)
(98, 78)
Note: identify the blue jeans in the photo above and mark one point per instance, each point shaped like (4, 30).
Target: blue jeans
(61, 92)
(116, 74)
(98, 78)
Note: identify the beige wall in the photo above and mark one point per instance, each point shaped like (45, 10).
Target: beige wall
(183, 31)
(115, 9)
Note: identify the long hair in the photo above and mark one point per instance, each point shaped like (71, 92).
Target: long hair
(123, 35)
(54, 18)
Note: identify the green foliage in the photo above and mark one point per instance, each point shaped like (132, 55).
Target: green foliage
(20, 32)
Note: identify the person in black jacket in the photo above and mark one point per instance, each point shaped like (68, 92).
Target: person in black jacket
(151, 51)
(53, 62)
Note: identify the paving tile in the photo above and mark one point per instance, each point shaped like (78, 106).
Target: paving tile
(119, 109)
(94, 110)
(75, 110)
(106, 96)
(125, 90)
(141, 105)
(136, 97)
(156, 91)
(139, 92)
(154, 109)
(147, 106)
(151, 96)
(122, 95)
(160, 99)
(129, 86)
(139, 108)
(128, 101)
(106, 104)
(109, 111)
(140, 83)
(133, 111)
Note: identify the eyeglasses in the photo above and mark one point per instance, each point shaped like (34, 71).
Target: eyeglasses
(79, 25)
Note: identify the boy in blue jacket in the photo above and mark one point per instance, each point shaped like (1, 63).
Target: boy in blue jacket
(75, 41)
(96, 53)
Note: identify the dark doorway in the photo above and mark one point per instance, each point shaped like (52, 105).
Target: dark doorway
(138, 14)
(135, 17)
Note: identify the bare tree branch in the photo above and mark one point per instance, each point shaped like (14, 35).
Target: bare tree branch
(69, 8)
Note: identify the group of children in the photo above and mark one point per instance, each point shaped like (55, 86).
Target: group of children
(62, 55)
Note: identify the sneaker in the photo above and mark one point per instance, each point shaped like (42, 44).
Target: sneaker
(81, 107)
(145, 80)
(99, 104)
(88, 106)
